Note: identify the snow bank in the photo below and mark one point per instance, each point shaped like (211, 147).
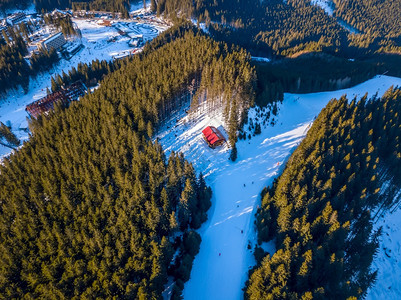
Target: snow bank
(220, 268)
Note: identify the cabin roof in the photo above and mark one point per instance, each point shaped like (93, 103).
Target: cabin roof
(212, 135)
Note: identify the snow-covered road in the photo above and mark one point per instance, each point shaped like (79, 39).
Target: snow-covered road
(220, 269)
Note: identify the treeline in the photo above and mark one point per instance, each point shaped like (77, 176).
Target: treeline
(121, 6)
(22, 29)
(318, 72)
(90, 74)
(318, 211)
(90, 207)
(311, 72)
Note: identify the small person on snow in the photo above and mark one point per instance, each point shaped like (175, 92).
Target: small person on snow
(242, 231)
(219, 254)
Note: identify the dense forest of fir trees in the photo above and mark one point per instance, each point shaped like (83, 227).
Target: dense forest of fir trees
(316, 72)
(318, 212)
(277, 28)
(90, 207)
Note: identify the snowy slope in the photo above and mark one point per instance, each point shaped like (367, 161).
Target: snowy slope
(388, 259)
(220, 269)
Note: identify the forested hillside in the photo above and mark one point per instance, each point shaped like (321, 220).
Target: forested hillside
(324, 73)
(268, 27)
(89, 205)
(318, 211)
(225, 79)
(277, 28)
(378, 22)
(376, 17)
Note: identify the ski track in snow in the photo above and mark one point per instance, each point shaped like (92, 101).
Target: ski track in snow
(237, 186)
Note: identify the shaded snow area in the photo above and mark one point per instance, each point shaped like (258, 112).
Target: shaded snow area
(260, 59)
(348, 27)
(97, 45)
(326, 5)
(220, 268)
(388, 259)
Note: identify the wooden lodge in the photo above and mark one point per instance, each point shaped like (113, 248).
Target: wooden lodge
(213, 136)
(61, 97)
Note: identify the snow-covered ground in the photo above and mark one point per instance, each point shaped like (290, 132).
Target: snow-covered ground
(260, 59)
(326, 5)
(96, 46)
(388, 259)
(220, 268)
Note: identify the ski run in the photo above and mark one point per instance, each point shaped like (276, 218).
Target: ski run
(228, 237)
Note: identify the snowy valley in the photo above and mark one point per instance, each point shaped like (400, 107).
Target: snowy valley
(220, 269)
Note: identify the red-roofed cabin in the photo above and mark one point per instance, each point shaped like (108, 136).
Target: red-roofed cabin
(213, 136)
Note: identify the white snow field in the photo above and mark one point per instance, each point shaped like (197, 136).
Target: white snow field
(96, 46)
(220, 268)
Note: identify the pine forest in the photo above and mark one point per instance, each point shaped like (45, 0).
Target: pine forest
(319, 211)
